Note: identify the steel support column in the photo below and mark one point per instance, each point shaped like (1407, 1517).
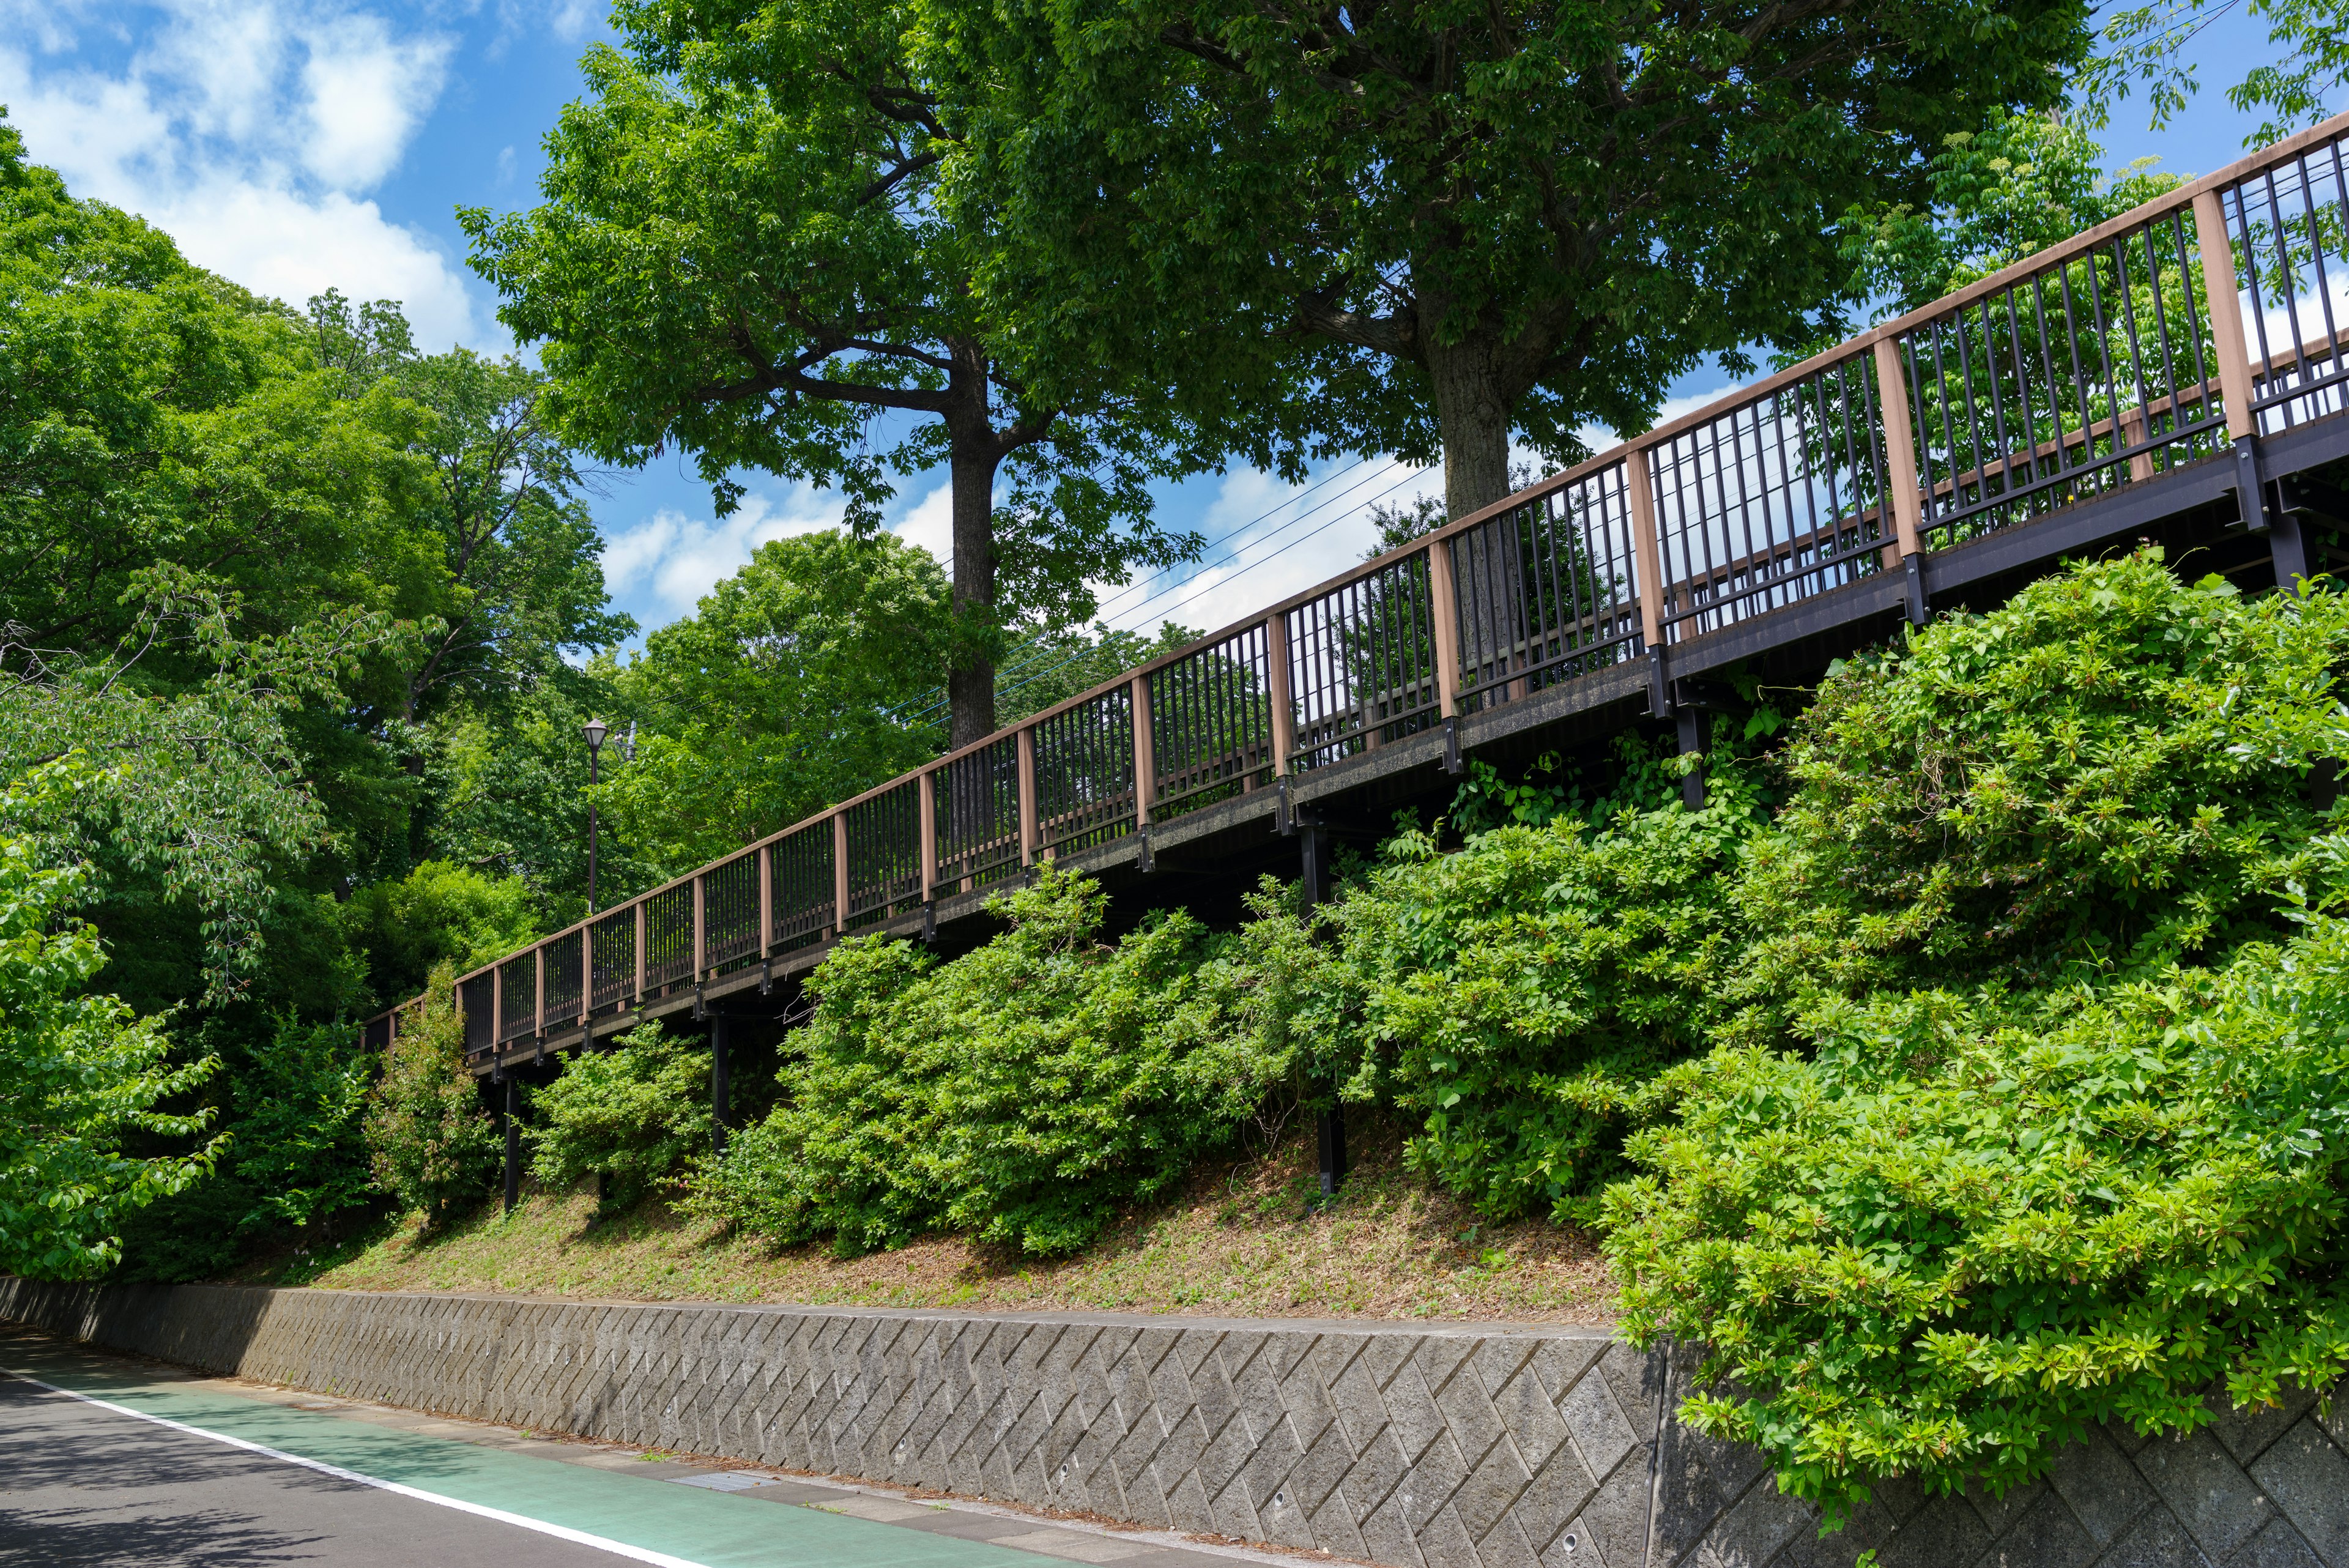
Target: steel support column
(719, 1107)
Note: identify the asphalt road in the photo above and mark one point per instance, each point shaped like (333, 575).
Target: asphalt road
(109, 1461)
(81, 1486)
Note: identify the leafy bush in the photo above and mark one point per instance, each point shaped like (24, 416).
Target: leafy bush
(634, 1116)
(431, 1143)
(1516, 993)
(2105, 773)
(1968, 1227)
(78, 1073)
(1020, 1093)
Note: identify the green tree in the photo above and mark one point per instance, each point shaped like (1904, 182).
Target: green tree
(742, 254)
(1022, 1092)
(1447, 227)
(800, 681)
(2024, 183)
(430, 1144)
(80, 1076)
(441, 912)
(2151, 45)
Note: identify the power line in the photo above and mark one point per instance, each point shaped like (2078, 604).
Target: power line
(1039, 648)
(1211, 587)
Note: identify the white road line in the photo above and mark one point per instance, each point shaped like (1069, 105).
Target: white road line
(561, 1533)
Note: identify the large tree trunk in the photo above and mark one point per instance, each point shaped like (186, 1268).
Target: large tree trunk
(1472, 412)
(970, 681)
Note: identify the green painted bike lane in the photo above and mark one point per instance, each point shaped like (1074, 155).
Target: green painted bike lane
(662, 1520)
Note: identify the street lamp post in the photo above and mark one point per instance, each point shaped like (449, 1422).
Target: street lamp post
(596, 731)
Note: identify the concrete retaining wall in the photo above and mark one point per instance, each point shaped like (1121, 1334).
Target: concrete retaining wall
(1487, 1447)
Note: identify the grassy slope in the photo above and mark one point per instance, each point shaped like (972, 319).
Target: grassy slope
(1240, 1241)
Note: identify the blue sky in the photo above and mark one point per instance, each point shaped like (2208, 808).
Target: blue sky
(292, 147)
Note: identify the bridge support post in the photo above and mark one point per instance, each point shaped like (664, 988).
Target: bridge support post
(513, 1139)
(718, 1108)
(1690, 722)
(1329, 1127)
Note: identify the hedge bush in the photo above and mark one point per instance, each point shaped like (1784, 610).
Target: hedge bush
(1967, 1226)
(1022, 1092)
(634, 1116)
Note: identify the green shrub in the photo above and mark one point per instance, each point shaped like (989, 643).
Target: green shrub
(1968, 1226)
(432, 1146)
(1022, 1092)
(635, 1115)
(1514, 994)
(2106, 772)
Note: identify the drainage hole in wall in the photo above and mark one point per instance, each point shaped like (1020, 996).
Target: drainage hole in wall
(1569, 1542)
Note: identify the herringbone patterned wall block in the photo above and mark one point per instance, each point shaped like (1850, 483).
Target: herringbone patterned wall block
(1493, 1447)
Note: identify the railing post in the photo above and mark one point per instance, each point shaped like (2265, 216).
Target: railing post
(586, 971)
(1027, 754)
(1647, 555)
(1443, 610)
(700, 955)
(497, 1011)
(925, 792)
(640, 952)
(1284, 706)
(1145, 751)
(766, 853)
(1905, 503)
(840, 871)
(2221, 298)
(538, 990)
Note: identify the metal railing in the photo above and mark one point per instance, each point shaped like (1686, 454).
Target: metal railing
(2176, 332)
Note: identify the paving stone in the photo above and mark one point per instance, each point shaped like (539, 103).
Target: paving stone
(2218, 1504)
(2308, 1479)
(1505, 1546)
(1530, 1416)
(1617, 1515)
(1430, 1482)
(2043, 1535)
(2000, 1510)
(1595, 1422)
(2156, 1541)
(1444, 1541)
(1389, 1538)
(1638, 1382)
(1867, 1529)
(1469, 1415)
(1559, 1491)
(1335, 1529)
(1494, 1485)
(2277, 1546)
(1944, 1533)
(1756, 1528)
(1377, 1472)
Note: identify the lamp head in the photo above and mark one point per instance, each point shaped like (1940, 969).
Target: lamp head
(596, 731)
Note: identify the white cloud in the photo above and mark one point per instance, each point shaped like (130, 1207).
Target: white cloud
(368, 91)
(252, 132)
(658, 569)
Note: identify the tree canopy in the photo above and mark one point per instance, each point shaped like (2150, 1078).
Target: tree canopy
(742, 253)
(1435, 227)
